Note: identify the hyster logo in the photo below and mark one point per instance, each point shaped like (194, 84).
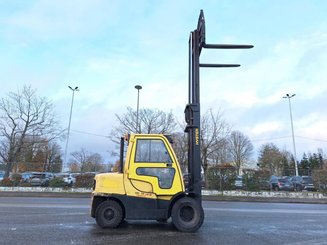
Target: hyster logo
(197, 136)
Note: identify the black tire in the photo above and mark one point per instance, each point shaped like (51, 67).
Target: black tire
(298, 188)
(109, 214)
(276, 188)
(187, 214)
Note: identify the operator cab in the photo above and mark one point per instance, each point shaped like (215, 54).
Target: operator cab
(151, 160)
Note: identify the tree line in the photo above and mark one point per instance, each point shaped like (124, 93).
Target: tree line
(29, 136)
(221, 147)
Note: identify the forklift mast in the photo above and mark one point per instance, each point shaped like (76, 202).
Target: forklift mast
(192, 111)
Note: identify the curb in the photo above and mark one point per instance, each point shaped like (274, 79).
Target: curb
(45, 194)
(264, 199)
(230, 196)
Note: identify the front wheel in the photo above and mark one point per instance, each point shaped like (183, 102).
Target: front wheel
(187, 214)
(109, 214)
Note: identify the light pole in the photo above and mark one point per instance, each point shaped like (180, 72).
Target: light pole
(64, 165)
(138, 87)
(294, 149)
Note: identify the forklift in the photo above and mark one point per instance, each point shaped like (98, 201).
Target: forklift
(149, 184)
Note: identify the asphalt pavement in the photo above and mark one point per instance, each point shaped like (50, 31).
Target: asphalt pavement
(53, 220)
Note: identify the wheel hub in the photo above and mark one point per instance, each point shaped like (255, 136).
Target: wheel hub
(187, 213)
(109, 214)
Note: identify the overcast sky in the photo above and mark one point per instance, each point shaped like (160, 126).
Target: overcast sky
(106, 47)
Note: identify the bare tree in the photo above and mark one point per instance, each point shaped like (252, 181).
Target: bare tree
(23, 114)
(214, 132)
(222, 155)
(94, 163)
(40, 155)
(79, 158)
(180, 148)
(87, 161)
(156, 121)
(240, 148)
(150, 121)
(53, 160)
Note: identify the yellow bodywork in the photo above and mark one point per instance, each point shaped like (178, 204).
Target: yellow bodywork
(109, 182)
(131, 183)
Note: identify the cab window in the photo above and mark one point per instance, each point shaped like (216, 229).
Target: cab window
(152, 151)
(165, 175)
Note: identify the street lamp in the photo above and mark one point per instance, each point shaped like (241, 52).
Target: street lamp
(138, 87)
(294, 149)
(64, 165)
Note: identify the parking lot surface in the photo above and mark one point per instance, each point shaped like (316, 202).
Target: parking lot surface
(50, 220)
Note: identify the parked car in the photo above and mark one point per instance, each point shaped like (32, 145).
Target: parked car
(49, 175)
(264, 185)
(40, 178)
(273, 182)
(284, 184)
(26, 176)
(67, 177)
(280, 184)
(303, 183)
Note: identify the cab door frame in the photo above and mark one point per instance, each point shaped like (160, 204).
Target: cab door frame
(149, 172)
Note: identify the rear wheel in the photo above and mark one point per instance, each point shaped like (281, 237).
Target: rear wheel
(187, 214)
(109, 214)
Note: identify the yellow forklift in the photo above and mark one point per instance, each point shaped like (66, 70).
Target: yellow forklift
(149, 185)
